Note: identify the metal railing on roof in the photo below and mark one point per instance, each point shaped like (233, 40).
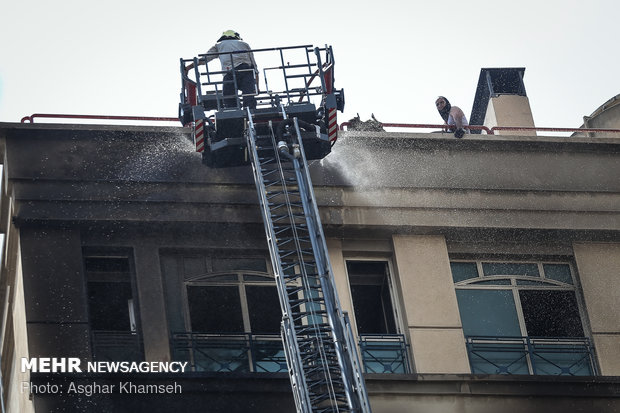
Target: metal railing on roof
(420, 126)
(489, 131)
(30, 119)
(543, 129)
(343, 126)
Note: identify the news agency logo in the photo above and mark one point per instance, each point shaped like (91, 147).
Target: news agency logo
(51, 365)
(75, 365)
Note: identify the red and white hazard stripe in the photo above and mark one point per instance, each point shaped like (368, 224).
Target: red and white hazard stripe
(199, 135)
(332, 124)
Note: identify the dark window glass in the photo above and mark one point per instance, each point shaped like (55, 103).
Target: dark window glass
(551, 313)
(109, 293)
(462, 271)
(502, 268)
(109, 306)
(215, 309)
(370, 292)
(558, 272)
(264, 309)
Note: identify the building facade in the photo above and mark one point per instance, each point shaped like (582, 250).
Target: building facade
(481, 274)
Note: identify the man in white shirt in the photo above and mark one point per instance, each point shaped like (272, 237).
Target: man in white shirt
(453, 116)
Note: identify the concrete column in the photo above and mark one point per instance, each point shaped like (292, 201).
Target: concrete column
(151, 301)
(55, 293)
(16, 400)
(430, 304)
(510, 110)
(599, 272)
(334, 246)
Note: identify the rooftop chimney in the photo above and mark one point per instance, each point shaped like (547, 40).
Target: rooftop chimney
(501, 101)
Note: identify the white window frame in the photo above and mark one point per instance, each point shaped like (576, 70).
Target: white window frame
(549, 285)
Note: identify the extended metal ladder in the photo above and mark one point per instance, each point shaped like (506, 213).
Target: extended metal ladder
(320, 351)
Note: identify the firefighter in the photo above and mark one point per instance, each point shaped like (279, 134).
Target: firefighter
(243, 65)
(453, 117)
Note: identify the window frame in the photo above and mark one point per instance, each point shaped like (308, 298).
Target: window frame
(204, 280)
(546, 284)
(189, 345)
(396, 306)
(382, 353)
(131, 338)
(134, 318)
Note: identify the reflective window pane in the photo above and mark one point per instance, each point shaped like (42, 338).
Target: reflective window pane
(462, 271)
(558, 272)
(488, 313)
(510, 268)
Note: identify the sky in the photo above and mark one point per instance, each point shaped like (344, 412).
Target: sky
(392, 58)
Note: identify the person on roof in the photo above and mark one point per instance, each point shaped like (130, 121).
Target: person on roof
(239, 66)
(453, 116)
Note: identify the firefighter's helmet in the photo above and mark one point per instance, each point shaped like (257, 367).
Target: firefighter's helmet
(230, 35)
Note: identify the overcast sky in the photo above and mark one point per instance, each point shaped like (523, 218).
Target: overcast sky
(393, 57)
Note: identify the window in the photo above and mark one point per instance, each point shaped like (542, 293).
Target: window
(240, 296)
(230, 318)
(372, 297)
(521, 318)
(383, 349)
(111, 307)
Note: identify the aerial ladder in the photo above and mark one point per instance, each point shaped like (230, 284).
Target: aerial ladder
(278, 138)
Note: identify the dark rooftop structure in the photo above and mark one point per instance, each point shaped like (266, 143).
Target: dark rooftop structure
(492, 83)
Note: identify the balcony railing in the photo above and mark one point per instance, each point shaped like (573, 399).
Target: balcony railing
(245, 352)
(242, 352)
(117, 346)
(531, 355)
(384, 353)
